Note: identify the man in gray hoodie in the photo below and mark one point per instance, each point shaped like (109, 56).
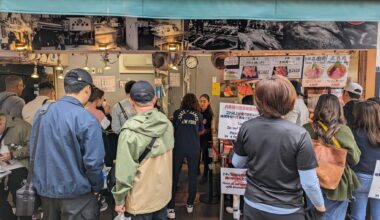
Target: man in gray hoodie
(10, 101)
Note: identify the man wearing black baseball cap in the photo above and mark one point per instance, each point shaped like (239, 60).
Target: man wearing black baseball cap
(144, 196)
(69, 153)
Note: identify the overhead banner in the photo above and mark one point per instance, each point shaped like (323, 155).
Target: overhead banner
(232, 116)
(233, 181)
(326, 71)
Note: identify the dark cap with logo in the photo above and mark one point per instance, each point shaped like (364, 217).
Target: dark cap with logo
(142, 92)
(78, 75)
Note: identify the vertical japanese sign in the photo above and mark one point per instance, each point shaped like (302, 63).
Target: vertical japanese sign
(232, 116)
(374, 192)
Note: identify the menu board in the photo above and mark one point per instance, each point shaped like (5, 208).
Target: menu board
(325, 71)
(255, 67)
(231, 71)
(288, 66)
(106, 83)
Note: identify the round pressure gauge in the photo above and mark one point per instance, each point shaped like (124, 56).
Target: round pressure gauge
(191, 62)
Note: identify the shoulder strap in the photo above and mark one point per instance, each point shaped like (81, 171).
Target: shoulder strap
(2, 136)
(334, 140)
(147, 150)
(42, 111)
(44, 102)
(123, 111)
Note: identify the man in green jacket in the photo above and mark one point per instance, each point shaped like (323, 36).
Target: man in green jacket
(14, 157)
(143, 190)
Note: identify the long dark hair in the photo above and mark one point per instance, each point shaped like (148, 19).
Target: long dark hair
(329, 112)
(367, 119)
(190, 102)
(207, 97)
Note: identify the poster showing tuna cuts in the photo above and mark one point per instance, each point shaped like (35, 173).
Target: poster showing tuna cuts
(326, 71)
(273, 35)
(59, 32)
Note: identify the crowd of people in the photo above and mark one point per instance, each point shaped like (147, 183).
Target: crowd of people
(77, 136)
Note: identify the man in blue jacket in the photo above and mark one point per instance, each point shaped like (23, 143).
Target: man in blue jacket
(69, 153)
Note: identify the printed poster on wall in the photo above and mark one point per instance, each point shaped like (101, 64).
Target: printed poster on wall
(326, 71)
(374, 192)
(232, 116)
(105, 83)
(233, 181)
(255, 67)
(231, 71)
(288, 66)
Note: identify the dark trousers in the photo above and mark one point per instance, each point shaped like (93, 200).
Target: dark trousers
(15, 180)
(255, 214)
(192, 164)
(205, 157)
(83, 207)
(159, 215)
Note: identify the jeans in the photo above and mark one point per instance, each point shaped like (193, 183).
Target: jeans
(335, 210)
(158, 215)
(83, 207)
(359, 206)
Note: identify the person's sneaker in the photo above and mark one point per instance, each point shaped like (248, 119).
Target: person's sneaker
(189, 208)
(103, 206)
(170, 213)
(229, 210)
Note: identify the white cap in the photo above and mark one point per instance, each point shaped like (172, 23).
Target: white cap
(354, 88)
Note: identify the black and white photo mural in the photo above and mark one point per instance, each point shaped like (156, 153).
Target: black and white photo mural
(61, 32)
(272, 35)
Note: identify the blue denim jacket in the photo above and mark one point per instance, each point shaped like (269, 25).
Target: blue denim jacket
(70, 151)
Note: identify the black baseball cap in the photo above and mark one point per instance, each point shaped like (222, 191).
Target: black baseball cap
(142, 92)
(78, 75)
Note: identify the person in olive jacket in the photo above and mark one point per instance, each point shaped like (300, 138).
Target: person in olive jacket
(14, 157)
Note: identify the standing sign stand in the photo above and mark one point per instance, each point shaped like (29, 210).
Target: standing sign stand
(374, 192)
(231, 118)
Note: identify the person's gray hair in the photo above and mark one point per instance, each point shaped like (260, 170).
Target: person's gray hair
(12, 81)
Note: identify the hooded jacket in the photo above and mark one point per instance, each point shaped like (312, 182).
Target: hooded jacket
(11, 104)
(146, 187)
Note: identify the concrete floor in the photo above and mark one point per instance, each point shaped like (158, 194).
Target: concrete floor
(202, 211)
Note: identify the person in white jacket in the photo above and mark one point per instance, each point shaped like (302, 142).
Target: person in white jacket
(300, 114)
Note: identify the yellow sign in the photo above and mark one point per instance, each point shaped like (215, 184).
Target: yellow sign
(215, 89)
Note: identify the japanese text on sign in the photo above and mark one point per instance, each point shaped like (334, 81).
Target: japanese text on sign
(374, 192)
(233, 181)
(232, 116)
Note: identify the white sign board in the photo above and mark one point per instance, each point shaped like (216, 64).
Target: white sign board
(233, 181)
(374, 192)
(105, 83)
(232, 116)
(175, 80)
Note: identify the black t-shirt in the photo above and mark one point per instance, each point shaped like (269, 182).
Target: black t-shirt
(369, 153)
(188, 124)
(207, 120)
(276, 150)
